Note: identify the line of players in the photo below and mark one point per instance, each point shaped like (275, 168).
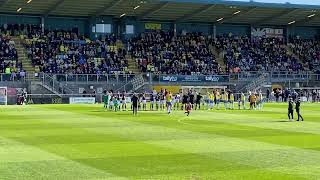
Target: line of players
(165, 100)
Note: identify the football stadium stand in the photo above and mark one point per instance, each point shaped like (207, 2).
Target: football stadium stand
(163, 52)
(9, 63)
(134, 45)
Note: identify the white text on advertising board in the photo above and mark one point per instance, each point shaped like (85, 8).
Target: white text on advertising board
(170, 78)
(212, 78)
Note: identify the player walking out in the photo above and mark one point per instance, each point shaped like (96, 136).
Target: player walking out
(169, 102)
(217, 99)
(123, 102)
(253, 100)
(290, 109)
(260, 102)
(152, 98)
(158, 101)
(298, 103)
(106, 100)
(198, 101)
(116, 103)
(188, 108)
(144, 102)
(191, 98)
(163, 101)
(243, 100)
(231, 100)
(225, 99)
(177, 102)
(184, 101)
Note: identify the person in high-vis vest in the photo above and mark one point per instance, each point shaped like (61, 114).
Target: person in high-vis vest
(7, 73)
(8, 70)
(231, 100)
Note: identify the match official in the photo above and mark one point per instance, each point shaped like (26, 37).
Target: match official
(290, 109)
(298, 103)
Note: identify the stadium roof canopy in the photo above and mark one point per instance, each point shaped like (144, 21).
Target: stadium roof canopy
(255, 12)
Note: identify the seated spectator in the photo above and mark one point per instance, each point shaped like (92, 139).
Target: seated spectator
(9, 63)
(308, 51)
(65, 52)
(256, 54)
(162, 52)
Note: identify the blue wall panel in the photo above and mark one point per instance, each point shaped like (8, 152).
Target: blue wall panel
(85, 26)
(204, 28)
(19, 20)
(304, 32)
(53, 23)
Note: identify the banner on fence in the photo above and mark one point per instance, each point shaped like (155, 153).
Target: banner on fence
(183, 78)
(152, 26)
(82, 100)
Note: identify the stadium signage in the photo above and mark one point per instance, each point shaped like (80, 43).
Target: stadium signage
(195, 78)
(212, 78)
(191, 79)
(170, 78)
(82, 100)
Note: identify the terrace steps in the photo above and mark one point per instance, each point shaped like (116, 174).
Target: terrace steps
(132, 65)
(22, 56)
(290, 52)
(219, 58)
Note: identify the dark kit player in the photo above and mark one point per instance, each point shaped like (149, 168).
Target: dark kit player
(188, 108)
(152, 99)
(191, 98)
(198, 101)
(184, 101)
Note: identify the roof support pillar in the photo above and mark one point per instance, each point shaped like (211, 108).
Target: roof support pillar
(287, 34)
(214, 26)
(42, 24)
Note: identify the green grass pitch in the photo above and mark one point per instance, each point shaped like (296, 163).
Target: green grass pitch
(86, 142)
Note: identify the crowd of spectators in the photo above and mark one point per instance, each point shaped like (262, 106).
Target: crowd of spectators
(67, 52)
(21, 29)
(9, 64)
(163, 52)
(155, 51)
(308, 51)
(242, 53)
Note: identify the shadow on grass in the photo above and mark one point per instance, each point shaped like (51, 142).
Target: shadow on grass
(283, 121)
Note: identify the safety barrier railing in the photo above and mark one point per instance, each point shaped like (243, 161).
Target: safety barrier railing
(156, 78)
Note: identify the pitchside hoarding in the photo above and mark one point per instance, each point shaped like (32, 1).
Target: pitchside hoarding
(183, 78)
(82, 100)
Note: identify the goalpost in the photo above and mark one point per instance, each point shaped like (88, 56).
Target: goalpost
(3, 95)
